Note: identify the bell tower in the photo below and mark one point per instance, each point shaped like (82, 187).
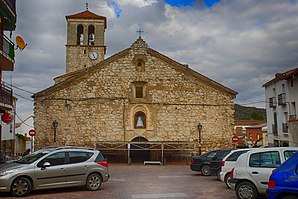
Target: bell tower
(85, 40)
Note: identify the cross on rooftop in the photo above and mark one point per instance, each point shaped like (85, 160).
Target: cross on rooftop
(140, 32)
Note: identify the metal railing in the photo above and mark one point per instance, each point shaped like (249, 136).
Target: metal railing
(282, 99)
(274, 130)
(285, 127)
(7, 46)
(272, 102)
(5, 95)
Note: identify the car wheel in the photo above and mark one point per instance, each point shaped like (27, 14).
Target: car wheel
(20, 187)
(246, 190)
(227, 178)
(93, 182)
(290, 197)
(205, 170)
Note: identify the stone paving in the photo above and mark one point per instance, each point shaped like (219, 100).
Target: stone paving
(150, 181)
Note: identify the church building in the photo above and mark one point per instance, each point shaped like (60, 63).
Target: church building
(135, 95)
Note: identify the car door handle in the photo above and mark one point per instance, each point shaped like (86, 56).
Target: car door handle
(62, 169)
(255, 172)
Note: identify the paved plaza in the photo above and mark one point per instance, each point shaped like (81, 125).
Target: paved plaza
(150, 181)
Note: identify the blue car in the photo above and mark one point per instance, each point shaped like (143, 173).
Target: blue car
(283, 182)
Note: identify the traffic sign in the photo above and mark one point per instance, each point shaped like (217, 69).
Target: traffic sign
(235, 138)
(32, 132)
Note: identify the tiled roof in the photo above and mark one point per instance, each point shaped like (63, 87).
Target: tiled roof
(281, 76)
(248, 122)
(87, 15)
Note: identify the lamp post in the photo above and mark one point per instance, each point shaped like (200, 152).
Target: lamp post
(200, 138)
(54, 126)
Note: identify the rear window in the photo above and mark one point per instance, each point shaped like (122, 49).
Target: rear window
(211, 155)
(220, 155)
(78, 156)
(99, 158)
(288, 154)
(268, 159)
(234, 156)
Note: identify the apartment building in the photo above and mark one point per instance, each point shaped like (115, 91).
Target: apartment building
(281, 109)
(7, 60)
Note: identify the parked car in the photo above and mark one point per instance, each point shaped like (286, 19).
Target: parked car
(54, 168)
(283, 182)
(202, 163)
(252, 170)
(215, 163)
(228, 163)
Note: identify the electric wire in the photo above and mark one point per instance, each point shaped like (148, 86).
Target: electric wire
(23, 97)
(22, 121)
(18, 88)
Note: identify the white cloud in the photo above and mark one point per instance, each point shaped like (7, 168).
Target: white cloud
(136, 3)
(240, 44)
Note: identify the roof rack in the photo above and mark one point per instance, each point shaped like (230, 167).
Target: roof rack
(68, 147)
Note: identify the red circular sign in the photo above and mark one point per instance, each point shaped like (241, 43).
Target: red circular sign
(235, 138)
(6, 117)
(32, 132)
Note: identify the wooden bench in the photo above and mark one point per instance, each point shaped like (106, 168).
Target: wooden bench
(152, 162)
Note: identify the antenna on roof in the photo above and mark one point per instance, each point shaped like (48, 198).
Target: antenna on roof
(86, 5)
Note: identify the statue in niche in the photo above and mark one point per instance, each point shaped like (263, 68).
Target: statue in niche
(140, 121)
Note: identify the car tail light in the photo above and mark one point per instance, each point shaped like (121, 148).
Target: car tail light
(232, 173)
(271, 184)
(192, 161)
(103, 163)
(222, 163)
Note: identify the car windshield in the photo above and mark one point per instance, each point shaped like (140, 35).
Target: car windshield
(28, 159)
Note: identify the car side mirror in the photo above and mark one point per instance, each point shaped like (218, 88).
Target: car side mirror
(45, 165)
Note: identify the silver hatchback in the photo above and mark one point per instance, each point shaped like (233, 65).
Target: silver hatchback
(54, 168)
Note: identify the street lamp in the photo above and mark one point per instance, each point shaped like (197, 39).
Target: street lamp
(200, 138)
(54, 126)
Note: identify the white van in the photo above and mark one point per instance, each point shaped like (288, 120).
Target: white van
(252, 170)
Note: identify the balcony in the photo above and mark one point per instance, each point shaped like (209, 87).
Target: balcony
(9, 7)
(5, 95)
(272, 102)
(274, 129)
(282, 99)
(12, 4)
(285, 127)
(6, 53)
(293, 118)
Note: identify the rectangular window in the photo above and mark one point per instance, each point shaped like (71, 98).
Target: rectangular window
(139, 92)
(268, 159)
(76, 157)
(288, 154)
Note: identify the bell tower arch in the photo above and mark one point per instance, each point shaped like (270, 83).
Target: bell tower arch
(85, 40)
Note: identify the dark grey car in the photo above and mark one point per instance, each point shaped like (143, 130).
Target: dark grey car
(54, 168)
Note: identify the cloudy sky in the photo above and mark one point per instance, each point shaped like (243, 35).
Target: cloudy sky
(240, 44)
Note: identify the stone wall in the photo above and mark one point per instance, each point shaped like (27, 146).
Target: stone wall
(100, 106)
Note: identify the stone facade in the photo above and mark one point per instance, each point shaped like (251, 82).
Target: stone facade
(101, 103)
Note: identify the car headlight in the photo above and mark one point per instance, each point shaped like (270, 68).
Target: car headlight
(6, 172)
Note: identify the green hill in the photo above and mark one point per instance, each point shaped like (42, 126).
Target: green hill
(249, 113)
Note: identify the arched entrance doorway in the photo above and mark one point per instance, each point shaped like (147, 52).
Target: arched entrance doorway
(138, 152)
